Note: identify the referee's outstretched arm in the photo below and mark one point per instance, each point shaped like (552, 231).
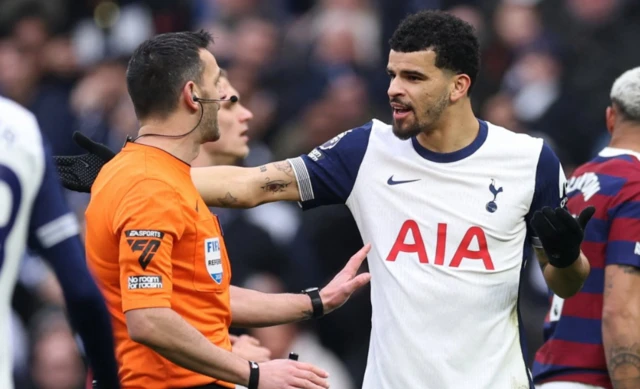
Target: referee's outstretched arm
(251, 308)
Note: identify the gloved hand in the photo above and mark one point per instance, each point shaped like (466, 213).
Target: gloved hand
(560, 233)
(78, 172)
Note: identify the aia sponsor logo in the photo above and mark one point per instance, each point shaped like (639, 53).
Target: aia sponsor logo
(466, 249)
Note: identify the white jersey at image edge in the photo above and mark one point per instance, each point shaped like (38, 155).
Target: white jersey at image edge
(449, 235)
(23, 161)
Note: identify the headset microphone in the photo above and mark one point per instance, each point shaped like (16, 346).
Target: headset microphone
(233, 99)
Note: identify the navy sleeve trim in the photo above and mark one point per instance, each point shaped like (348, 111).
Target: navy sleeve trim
(550, 186)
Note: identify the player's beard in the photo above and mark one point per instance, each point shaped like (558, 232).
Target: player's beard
(422, 123)
(209, 126)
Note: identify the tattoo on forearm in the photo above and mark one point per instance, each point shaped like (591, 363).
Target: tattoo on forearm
(624, 366)
(228, 200)
(284, 167)
(263, 169)
(307, 314)
(275, 186)
(629, 269)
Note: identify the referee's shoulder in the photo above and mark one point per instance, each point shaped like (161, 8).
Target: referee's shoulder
(124, 176)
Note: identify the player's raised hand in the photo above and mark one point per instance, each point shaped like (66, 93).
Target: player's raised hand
(288, 374)
(249, 348)
(342, 286)
(78, 172)
(560, 233)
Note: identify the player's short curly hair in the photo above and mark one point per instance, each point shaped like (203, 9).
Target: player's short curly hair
(453, 40)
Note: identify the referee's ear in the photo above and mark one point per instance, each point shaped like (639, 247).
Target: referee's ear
(189, 95)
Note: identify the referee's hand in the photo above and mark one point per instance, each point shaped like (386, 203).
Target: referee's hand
(342, 286)
(289, 374)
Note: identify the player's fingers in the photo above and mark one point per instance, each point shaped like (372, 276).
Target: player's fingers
(82, 141)
(586, 215)
(541, 225)
(356, 260)
(551, 217)
(61, 161)
(92, 147)
(73, 185)
(316, 370)
(233, 338)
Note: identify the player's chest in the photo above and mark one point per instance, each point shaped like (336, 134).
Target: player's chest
(491, 197)
(454, 218)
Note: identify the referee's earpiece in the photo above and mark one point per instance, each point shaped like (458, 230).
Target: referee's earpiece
(195, 98)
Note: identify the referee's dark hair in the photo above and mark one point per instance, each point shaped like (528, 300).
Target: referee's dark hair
(159, 68)
(453, 40)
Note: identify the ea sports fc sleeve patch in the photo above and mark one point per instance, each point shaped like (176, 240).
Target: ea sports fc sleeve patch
(149, 223)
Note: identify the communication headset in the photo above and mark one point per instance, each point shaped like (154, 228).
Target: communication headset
(198, 100)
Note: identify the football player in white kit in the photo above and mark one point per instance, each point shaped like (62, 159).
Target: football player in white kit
(33, 210)
(451, 204)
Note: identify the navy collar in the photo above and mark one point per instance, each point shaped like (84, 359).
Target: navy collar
(455, 155)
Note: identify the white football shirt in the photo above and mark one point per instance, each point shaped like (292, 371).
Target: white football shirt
(44, 223)
(450, 237)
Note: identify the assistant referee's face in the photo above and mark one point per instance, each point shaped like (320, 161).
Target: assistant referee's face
(211, 90)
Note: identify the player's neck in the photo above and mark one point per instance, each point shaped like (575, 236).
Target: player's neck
(184, 148)
(626, 135)
(457, 128)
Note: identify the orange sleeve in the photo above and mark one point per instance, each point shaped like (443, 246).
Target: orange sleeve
(148, 221)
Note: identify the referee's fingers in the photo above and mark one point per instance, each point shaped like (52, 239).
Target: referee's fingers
(309, 367)
(358, 282)
(310, 380)
(356, 260)
(250, 339)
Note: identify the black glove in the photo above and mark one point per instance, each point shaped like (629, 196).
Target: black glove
(78, 172)
(560, 233)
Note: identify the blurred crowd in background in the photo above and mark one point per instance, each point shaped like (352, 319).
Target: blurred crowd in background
(308, 70)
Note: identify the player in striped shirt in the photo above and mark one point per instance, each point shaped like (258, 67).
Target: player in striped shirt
(592, 340)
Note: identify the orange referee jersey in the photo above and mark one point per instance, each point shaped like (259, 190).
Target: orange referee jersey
(152, 242)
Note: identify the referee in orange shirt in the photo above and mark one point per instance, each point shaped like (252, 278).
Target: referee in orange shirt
(158, 254)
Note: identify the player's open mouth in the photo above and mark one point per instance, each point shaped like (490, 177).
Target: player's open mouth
(401, 113)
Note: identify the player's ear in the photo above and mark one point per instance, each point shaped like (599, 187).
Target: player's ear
(460, 86)
(610, 116)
